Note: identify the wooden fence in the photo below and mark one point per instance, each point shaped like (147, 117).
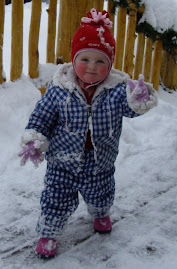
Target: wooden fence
(148, 58)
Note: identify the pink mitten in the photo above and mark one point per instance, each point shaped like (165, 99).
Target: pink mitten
(32, 152)
(139, 90)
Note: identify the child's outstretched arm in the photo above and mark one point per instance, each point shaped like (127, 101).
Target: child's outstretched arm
(34, 141)
(141, 95)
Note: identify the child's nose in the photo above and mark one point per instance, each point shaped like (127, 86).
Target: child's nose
(92, 64)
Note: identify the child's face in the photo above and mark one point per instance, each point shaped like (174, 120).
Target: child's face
(91, 66)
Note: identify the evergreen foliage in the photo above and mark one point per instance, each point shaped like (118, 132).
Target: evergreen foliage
(125, 4)
(169, 37)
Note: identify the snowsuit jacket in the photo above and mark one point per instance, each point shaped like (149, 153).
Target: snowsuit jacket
(63, 117)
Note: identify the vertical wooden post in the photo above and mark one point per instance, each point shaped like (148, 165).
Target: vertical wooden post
(111, 15)
(98, 5)
(130, 41)
(175, 72)
(88, 5)
(2, 8)
(50, 57)
(148, 59)
(34, 39)
(58, 54)
(64, 31)
(157, 59)
(169, 70)
(71, 12)
(139, 55)
(17, 39)
(120, 37)
(164, 66)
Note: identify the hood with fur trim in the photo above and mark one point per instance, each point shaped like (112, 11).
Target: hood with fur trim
(65, 77)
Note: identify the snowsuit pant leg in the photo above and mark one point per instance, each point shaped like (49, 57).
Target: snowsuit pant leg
(99, 192)
(59, 198)
(58, 201)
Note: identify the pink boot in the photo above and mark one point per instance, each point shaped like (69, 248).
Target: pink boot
(46, 248)
(103, 225)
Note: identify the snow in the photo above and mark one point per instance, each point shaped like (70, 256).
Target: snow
(160, 14)
(144, 213)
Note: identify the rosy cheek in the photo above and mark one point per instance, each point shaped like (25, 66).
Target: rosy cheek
(103, 70)
(80, 68)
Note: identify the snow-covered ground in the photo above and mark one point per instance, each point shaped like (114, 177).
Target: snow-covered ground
(144, 214)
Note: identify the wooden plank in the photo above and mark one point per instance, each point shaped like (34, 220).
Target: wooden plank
(52, 12)
(163, 71)
(98, 4)
(148, 59)
(120, 37)
(59, 43)
(111, 15)
(17, 40)
(79, 8)
(86, 6)
(64, 31)
(139, 55)
(168, 70)
(130, 41)
(71, 12)
(175, 73)
(34, 39)
(157, 59)
(2, 8)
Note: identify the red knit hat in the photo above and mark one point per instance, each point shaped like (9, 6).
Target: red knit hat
(94, 34)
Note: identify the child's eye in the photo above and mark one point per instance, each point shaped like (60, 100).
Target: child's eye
(84, 60)
(100, 62)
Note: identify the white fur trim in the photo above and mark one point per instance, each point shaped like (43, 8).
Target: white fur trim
(114, 78)
(32, 135)
(144, 106)
(66, 78)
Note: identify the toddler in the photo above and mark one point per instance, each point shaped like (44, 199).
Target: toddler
(77, 125)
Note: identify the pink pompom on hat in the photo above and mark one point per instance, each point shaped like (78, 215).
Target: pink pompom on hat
(94, 34)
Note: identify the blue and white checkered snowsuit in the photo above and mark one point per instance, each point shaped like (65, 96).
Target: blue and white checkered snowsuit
(64, 117)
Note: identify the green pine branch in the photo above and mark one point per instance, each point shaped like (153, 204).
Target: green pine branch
(169, 37)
